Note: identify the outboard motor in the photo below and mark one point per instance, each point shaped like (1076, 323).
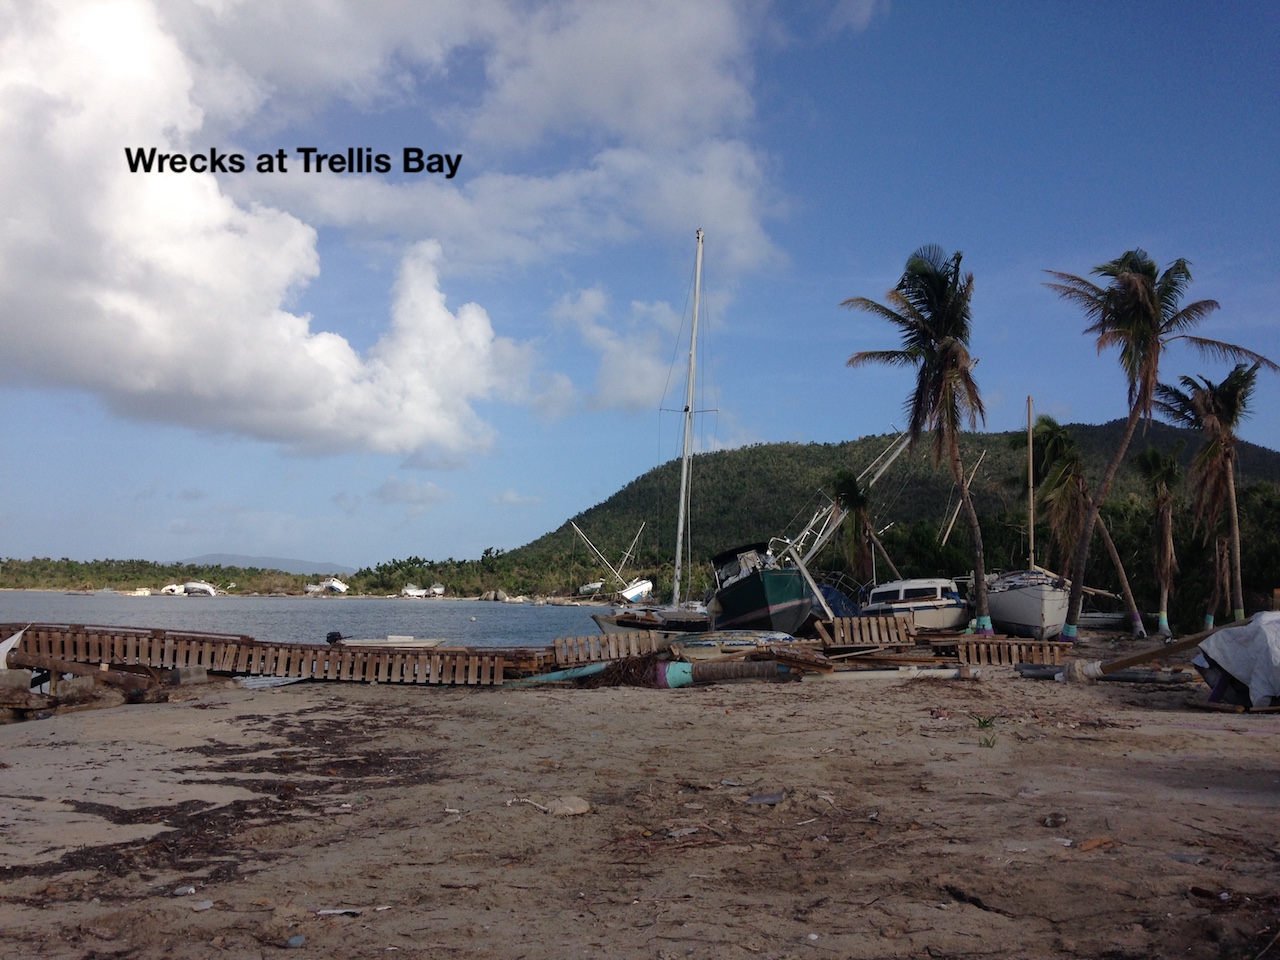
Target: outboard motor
(333, 636)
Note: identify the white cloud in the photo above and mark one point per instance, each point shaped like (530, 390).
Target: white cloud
(635, 355)
(856, 15)
(509, 498)
(656, 73)
(416, 495)
(166, 295)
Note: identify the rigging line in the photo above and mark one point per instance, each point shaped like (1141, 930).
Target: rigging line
(679, 338)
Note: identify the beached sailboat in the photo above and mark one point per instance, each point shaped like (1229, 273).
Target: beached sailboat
(1031, 602)
(639, 588)
(768, 586)
(680, 616)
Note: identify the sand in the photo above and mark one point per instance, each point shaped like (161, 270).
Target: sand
(998, 817)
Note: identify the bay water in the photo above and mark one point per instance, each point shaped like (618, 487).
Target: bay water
(471, 623)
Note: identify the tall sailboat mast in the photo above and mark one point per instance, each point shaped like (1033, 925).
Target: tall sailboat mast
(688, 427)
(1031, 490)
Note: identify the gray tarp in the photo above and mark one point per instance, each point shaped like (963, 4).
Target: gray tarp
(1250, 654)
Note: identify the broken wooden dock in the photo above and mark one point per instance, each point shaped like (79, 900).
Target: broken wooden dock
(128, 656)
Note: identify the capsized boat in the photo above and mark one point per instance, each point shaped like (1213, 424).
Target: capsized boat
(639, 588)
(934, 602)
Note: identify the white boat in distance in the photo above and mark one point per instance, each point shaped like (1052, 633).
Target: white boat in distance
(327, 585)
(935, 602)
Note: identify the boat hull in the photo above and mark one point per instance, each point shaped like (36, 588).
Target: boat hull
(1028, 605)
(934, 603)
(776, 599)
(927, 614)
(670, 622)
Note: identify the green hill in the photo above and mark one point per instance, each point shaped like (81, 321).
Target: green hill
(755, 492)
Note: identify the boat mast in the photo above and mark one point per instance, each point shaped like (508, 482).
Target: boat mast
(688, 426)
(1031, 492)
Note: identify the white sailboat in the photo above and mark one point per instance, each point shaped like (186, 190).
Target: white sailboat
(679, 617)
(639, 588)
(1031, 602)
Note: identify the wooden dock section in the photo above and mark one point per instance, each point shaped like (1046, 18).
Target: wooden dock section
(128, 651)
(977, 650)
(570, 651)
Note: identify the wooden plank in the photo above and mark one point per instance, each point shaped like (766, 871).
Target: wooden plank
(1186, 643)
(118, 678)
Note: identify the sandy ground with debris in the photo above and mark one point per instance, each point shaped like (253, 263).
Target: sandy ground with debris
(1000, 817)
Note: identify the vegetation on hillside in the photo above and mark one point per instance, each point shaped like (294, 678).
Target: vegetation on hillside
(753, 493)
(43, 573)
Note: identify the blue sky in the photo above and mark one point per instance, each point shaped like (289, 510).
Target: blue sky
(361, 366)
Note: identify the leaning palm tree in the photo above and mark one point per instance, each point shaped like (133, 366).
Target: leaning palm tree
(1140, 312)
(1163, 474)
(930, 306)
(1066, 497)
(1063, 491)
(1216, 410)
(855, 498)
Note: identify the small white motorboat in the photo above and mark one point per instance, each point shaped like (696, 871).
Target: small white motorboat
(935, 602)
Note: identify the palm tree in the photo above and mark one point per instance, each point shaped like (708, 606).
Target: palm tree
(1216, 410)
(1139, 312)
(1163, 474)
(930, 306)
(1066, 497)
(851, 495)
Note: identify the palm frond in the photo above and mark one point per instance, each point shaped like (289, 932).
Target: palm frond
(1228, 351)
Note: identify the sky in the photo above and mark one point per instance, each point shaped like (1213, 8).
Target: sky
(361, 365)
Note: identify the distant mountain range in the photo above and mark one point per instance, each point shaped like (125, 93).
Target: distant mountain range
(301, 567)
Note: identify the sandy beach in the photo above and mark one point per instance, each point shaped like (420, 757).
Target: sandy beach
(996, 817)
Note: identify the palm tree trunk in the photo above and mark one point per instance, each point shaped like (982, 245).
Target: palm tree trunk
(871, 535)
(1237, 577)
(1219, 574)
(981, 612)
(1164, 629)
(1081, 557)
(1165, 565)
(1135, 617)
